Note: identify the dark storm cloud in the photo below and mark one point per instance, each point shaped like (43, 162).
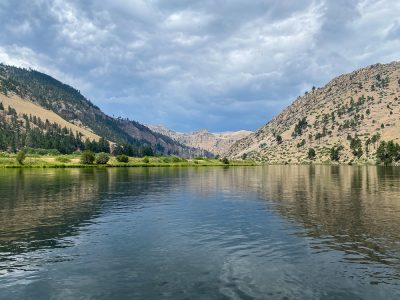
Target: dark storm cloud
(220, 64)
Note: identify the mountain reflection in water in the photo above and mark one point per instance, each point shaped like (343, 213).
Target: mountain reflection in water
(238, 232)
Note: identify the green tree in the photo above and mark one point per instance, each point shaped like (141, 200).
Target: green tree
(225, 161)
(382, 154)
(102, 158)
(147, 151)
(335, 153)
(356, 147)
(367, 143)
(388, 152)
(300, 126)
(375, 138)
(21, 155)
(279, 139)
(87, 157)
(1, 106)
(122, 158)
(393, 150)
(311, 153)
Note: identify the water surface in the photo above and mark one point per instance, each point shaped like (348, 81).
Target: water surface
(274, 232)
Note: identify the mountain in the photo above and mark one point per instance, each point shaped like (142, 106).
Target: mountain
(345, 120)
(216, 143)
(34, 94)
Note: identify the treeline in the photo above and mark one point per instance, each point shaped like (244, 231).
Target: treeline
(132, 150)
(72, 105)
(33, 133)
(388, 152)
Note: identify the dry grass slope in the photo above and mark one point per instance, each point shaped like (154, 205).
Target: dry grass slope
(363, 103)
(27, 107)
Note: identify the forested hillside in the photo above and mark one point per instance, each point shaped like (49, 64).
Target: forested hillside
(125, 136)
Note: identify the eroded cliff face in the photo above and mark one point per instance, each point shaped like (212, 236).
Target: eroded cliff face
(216, 143)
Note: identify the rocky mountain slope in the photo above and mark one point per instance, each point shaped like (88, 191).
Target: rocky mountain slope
(34, 93)
(350, 115)
(216, 143)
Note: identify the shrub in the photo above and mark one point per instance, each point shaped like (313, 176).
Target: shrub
(225, 161)
(63, 159)
(87, 157)
(176, 159)
(122, 158)
(301, 144)
(21, 155)
(102, 158)
(279, 139)
(146, 160)
(40, 151)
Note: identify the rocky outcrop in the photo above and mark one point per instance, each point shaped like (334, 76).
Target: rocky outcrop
(216, 143)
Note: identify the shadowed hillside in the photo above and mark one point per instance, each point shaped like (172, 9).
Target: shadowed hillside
(33, 94)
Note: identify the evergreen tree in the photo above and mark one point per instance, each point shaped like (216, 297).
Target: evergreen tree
(311, 153)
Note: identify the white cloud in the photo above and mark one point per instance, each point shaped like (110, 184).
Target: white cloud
(202, 63)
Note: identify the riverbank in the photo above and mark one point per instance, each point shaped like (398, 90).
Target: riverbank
(73, 161)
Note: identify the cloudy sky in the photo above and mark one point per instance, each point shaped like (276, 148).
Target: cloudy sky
(222, 64)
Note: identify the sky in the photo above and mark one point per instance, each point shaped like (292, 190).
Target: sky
(223, 65)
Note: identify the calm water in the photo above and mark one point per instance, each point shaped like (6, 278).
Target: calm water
(276, 232)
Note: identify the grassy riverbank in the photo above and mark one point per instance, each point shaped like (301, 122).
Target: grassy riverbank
(73, 161)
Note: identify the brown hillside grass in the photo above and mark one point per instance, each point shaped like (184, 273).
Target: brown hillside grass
(26, 107)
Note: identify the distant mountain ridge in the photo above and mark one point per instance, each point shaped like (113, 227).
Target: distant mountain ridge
(352, 113)
(216, 143)
(20, 87)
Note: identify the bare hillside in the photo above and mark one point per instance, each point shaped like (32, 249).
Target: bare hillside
(216, 143)
(353, 112)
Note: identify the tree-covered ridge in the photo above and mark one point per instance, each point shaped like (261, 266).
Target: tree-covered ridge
(62, 99)
(39, 87)
(32, 132)
(71, 105)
